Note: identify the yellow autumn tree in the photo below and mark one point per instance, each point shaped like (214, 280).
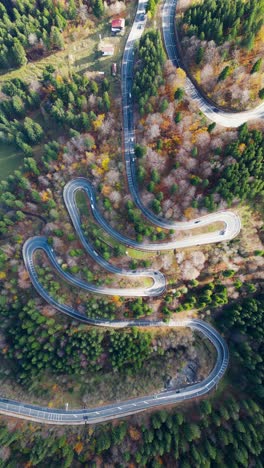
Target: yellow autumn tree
(189, 213)
(105, 163)
(44, 196)
(98, 122)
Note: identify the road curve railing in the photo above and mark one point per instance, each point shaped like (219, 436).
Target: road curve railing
(231, 223)
(40, 243)
(212, 112)
(124, 408)
(231, 229)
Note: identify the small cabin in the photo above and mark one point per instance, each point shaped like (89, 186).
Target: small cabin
(107, 50)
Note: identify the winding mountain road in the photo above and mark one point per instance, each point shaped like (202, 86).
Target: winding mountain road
(231, 228)
(232, 224)
(40, 243)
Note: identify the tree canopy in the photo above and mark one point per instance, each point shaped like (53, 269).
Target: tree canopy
(223, 20)
(31, 24)
(148, 75)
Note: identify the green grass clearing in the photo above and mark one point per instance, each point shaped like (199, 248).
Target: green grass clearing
(81, 51)
(10, 159)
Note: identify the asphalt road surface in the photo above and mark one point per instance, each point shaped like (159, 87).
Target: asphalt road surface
(231, 229)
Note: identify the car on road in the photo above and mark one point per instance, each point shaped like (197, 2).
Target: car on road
(113, 69)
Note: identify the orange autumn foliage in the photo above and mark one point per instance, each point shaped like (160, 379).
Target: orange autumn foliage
(28, 464)
(78, 448)
(189, 213)
(134, 433)
(24, 275)
(165, 124)
(106, 190)
(44, 196)
(116, 300)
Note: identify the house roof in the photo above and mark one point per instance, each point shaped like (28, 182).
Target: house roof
(107, 48)
(118, 23)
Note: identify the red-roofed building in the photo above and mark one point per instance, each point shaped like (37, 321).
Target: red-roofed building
(118, 25)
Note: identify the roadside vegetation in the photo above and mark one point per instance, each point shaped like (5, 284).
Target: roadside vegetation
(221, 46)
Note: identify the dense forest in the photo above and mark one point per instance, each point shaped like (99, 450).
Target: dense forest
(30, 28)
(35, 343)
(244, 325)
(59, 101)
(225, 20)
(149, 76)
(35, 346)
(243, 177)
(203, 438)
